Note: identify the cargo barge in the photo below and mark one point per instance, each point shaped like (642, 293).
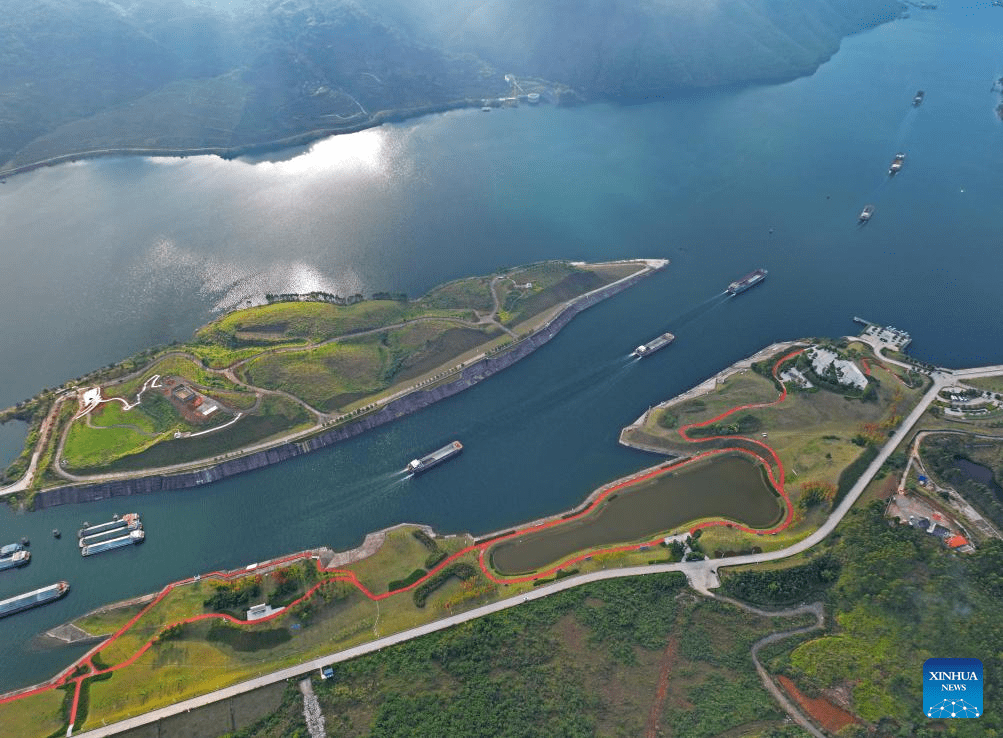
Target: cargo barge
(652, 346)
(129, 521)
(32, 599)
(896, 166)
(107, 535)
(419, 466)
(14, 560)
(133, 536)
(865, 214)
(749, 281)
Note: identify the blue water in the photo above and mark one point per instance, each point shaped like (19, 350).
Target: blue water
(106, 257)
(12, 436)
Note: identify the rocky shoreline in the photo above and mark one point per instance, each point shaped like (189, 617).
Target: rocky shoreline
(412, 402)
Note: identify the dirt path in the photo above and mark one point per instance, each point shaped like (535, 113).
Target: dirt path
(668, 659)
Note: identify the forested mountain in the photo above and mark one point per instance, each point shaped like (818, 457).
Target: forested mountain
(84, 75)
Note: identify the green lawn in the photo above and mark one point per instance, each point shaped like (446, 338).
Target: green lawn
(39, 716)
(816, 434)
(90, 448)
(173, 365)
(274, 417)
(471, 293)
(326, 377)
(114, 413)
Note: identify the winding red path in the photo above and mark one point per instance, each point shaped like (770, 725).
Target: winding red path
(767, 455)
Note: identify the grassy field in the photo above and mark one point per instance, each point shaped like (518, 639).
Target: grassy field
(39, 715)
(400, 555)
(324, 377)
(816, 434)
(208, 654)
(176, 366)
(274, 417)
(309, 350)
(522, 305)
(473, 293)
(583, 662)
(248, 332)
(107, 621)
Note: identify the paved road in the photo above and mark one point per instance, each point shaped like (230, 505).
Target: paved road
(702, 576)
(778, 694)
(392, 640)
(25, 482)
(322, 420)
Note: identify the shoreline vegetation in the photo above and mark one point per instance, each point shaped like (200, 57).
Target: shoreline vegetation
(303, 138)
(130, 80)
(406, 576)
(263, 384)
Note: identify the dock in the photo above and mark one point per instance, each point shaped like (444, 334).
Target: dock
(897, 338)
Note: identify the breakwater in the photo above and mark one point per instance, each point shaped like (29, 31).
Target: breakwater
(465, 378)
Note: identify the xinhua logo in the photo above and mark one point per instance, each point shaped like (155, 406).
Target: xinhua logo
(952, 688)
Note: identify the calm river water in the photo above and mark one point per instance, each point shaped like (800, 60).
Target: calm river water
(103, 258)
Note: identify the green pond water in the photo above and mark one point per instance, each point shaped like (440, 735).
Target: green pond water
(728, 487)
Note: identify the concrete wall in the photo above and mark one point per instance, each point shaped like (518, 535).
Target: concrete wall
(410, 403)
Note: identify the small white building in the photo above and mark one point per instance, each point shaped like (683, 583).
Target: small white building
(257, 612)
(847, 373)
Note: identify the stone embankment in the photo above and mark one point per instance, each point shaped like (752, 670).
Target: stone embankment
(405, 405)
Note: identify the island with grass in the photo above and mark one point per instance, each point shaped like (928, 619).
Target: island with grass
(760, 464)
(267, 383)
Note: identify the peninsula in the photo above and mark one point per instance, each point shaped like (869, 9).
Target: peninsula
(270, 382)
(796, 411)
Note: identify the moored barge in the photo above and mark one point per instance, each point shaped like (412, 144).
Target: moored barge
(32, 599)
(133, 536)
(129, 521)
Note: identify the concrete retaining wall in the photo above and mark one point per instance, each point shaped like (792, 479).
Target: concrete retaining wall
(398, 408)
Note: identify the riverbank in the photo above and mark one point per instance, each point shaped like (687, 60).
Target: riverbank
(563, 96)
(456, 579)
(422, 393)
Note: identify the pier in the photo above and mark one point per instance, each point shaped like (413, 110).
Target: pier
(896, 338)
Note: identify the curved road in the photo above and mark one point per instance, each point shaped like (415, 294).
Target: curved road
(702, 576)
(322, 420)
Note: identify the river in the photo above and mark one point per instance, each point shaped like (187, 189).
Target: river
(105, 257)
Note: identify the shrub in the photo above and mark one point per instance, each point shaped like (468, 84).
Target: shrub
(423, 591)
(407, 581)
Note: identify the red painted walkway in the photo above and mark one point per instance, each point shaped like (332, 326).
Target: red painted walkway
(767, 456)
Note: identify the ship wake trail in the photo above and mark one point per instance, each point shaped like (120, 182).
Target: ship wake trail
(373, 487)
(681, 321)
(905, 128)
(571, 388)
(700, 310)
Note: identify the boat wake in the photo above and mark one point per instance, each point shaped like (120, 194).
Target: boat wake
(703, 309)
